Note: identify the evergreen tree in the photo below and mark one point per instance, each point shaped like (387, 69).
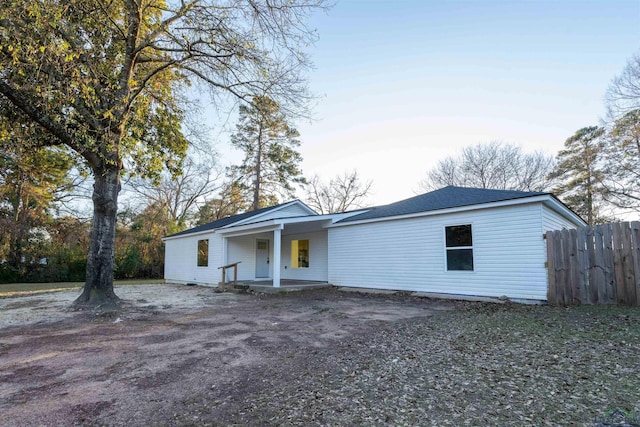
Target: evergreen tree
(269, 142)
(579, 174)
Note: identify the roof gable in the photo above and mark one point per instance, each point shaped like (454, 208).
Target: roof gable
(443, 198)
(239, 218)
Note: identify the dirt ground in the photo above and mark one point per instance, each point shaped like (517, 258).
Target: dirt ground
(187, 356)
(173, 352)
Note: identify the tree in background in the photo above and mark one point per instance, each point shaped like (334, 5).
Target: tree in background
(104, 79)
(230, 201)
(623, 94)
(579, 174)
(139, 249)
(271, 163)
(179, 195)
(65, 251)
(30, 180)
(493, 165)
(622, 154)
(341, 193)
(622, 162)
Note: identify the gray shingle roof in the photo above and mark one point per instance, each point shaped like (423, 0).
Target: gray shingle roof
(226, 221)
(444, 198)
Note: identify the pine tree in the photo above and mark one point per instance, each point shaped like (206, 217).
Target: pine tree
(579, 173)
(269, 142)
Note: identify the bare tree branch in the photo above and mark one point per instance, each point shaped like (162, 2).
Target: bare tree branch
(342, 193)
(495, 165)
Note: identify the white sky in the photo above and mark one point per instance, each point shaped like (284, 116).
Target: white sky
(403, 84)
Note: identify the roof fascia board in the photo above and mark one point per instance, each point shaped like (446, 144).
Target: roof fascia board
(502, 203)
(314, 218)
(276, 209)
(283, 221)
(243, 231)
(197, 233)
(556, 205)
(251, 226)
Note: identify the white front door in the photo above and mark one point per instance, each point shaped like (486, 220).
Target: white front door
(262, 258)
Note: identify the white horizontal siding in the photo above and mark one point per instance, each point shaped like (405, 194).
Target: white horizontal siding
(409, 254)
(551, 220)
(181, 260)
(318, 257)
(243, 249)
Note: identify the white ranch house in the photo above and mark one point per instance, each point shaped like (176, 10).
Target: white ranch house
(457, 241)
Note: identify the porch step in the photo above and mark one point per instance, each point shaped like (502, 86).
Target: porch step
(269, 289)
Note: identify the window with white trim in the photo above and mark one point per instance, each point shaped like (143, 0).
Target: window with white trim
(300, 254)
(203, 253)
(459, 247)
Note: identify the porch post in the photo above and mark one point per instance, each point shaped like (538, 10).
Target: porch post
(224, 251)
(277, 243)
(224, 262)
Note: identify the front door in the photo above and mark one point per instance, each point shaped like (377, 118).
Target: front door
(262, 258)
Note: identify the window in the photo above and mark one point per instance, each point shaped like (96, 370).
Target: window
(300, 254)
(459, 246)
(203, 253)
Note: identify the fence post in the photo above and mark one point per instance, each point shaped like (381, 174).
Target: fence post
(621, 296)
(635, 252)
(551, 269)
(598, 267)
(609, 258)
(582, 265)
(627, 265)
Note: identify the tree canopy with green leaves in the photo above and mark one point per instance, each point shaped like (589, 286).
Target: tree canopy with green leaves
(269, 142)
(106, 79)
(30, 179)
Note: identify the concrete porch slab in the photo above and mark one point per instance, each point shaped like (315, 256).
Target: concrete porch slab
(368, 291)
(459, 297)
(285, 286)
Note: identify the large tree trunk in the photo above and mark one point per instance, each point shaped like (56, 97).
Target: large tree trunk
(98, 288)
(17, 234)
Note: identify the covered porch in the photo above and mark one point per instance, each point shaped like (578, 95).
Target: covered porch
(286, 253)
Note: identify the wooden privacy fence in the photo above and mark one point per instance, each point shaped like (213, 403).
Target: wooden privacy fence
(594, 265)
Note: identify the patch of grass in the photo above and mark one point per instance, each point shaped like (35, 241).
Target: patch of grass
(13, 288)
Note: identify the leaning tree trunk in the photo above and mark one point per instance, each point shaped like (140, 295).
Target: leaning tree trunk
(98, 288)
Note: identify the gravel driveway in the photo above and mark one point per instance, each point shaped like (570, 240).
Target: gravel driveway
(188, 356)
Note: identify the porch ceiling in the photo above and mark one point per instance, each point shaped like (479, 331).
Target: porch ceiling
(304, 227)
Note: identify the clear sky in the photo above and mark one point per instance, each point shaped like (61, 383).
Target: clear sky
(403, 84)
